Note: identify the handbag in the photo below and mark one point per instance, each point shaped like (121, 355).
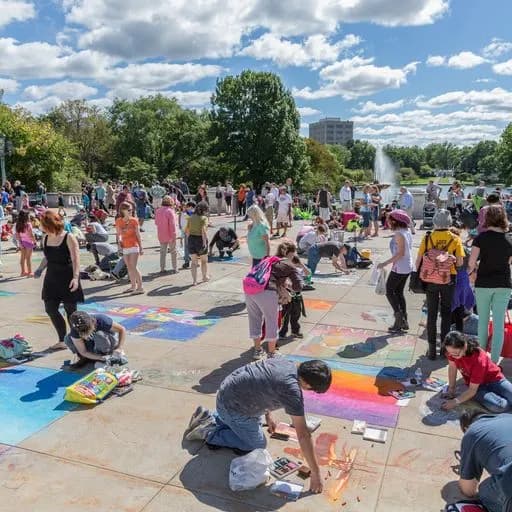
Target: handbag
(416, 285)
(506, 351)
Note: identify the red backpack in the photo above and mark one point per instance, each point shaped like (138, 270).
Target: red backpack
(436, 264)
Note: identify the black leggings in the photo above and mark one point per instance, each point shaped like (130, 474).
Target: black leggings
(395, 292)
(52, 310)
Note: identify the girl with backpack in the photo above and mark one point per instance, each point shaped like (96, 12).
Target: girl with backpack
(265, 289)
(439, 255)
(493, 285)
(401, 258)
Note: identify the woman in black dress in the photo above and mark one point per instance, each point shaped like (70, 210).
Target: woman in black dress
(61, 282)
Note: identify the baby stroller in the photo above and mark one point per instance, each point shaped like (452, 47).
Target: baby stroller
(429, 210)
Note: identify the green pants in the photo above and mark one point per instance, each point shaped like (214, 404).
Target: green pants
(493, 300)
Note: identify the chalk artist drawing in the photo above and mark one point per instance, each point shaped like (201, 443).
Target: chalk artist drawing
(318, 305)
(153, 322)
(357, 392)
(5, 293)
(326, 454)
(234, 259)
(364, 346)
(31, 400)
(378, 315)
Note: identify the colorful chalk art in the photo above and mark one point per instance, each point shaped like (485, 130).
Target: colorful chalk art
(155, 322)
(363, 346)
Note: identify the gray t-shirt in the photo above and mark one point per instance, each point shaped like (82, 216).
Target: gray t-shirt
(263, 386)
(487, 444)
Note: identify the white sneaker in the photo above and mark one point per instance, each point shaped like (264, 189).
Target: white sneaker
(200, 416)
(202, 431)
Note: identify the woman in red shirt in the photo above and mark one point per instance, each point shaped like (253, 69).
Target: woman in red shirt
(486, 383)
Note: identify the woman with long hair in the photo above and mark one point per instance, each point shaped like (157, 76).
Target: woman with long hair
(376, 198)
(439, 296)
(401, 258)
(365, 211)
(258, 234)
(26, 242)
(62, 279)
(128, 237)
(486, 383)
(263, 308)
(196, 230)
(492, 249)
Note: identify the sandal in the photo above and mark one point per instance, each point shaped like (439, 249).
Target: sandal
(139, 291)
(129, 290)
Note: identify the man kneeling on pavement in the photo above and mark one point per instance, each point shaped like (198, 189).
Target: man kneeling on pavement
(226, 240)
(254, 391)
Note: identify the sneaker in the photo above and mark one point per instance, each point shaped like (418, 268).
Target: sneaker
(185, 265)
(221, 254)
(272, 355)
(297, 335)
(199, 416)
(258, 354)
(230, 254)
(202, 431)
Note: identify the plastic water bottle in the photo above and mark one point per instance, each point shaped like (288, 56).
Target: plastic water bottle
(418, 375)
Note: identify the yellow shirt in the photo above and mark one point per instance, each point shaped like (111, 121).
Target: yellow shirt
(439, 239)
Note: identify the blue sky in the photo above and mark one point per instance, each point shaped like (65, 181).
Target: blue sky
(406, 71)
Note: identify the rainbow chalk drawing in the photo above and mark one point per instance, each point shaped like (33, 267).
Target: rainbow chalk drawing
(363, 346)
(357, 392)
(161, 323)
(31, 399)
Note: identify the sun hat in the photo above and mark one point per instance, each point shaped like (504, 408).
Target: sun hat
(442, 219)
(400, 216)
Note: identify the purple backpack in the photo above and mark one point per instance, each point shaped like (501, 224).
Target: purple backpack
(257, 279)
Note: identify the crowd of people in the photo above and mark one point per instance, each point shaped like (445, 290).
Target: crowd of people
(461, 278)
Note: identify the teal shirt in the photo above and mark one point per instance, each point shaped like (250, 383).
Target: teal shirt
(255, 242)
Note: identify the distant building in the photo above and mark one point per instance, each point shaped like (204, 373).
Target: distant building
(332, 130)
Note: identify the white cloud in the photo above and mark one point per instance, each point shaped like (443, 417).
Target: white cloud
(308, 111)
(370, 106)
(462, 60)
(436, 60)
(313, 51)
(40, 106)
(191, 29)
(8, 85)
(64, 90)
(496, 48)
(484, 80)
(465, 60)
(155, 76)
(503, 68)
(355, 77)
(496, 98)
(44, 60)
(15, 10)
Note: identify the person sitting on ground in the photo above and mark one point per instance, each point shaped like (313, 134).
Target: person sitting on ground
(255, 390)
(486, 383)
(226, 240)
(311, 238)
(336, 251)
(95, 338)
(486, 446)
(95, 231)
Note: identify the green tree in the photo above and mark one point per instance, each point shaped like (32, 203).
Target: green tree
(255, 127)
(159, 132)
(407, 174)
(40, 153)
(88, 128)
(362, 154)
(324, 168)
(341, 153)
(504, 154)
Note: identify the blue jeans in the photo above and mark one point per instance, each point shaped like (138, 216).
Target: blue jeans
(495, 396)
(313, 258)
(236, 431)
(491, 495)
(186, 255)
